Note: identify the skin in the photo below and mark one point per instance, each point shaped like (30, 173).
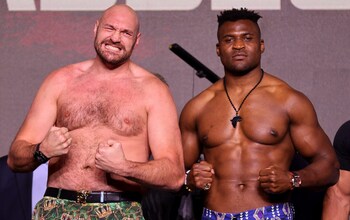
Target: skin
(247, 166)
(336, 203)
(99, 120)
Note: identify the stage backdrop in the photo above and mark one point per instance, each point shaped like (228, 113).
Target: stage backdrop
(307, 45)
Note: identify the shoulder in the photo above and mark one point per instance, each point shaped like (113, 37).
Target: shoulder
(296, 105)
(152, 86)
(283, 91)
(196, 104)
(67, 73)
(58, 80)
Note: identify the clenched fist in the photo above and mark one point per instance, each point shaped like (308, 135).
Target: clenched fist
(110, 157)
(56, 142)
(274, 180)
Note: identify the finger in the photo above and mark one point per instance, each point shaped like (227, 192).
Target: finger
(66, 134)
(264, 179)
(68, 142)
(204, 167)
(266, 171)
(205, 164)
(54, 128)
(63, 140)
(201, 174)
(111, 142)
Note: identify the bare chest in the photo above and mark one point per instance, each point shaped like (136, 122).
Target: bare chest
(259, 122)
(116, 105)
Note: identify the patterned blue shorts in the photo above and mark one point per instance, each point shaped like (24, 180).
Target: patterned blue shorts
(281, 211)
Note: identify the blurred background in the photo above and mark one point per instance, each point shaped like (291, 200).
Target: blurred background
(307, 45)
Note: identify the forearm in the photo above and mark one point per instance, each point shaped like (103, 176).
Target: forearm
(20, 157)
(322, 173)
(160, 173)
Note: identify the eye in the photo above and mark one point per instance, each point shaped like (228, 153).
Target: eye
(108, 28)
(228, 40)
(248, 37)
(127, 33)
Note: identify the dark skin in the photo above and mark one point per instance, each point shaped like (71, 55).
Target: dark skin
(247, 166)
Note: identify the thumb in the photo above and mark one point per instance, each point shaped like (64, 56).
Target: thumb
(111, 142)
(54, 128)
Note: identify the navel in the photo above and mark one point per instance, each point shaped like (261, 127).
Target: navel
(87, 167)
(242, 186)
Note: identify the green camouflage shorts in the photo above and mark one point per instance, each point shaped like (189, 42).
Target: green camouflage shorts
(61, 209)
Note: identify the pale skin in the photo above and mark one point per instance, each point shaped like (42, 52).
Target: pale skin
(247, 166)
(99, 120)
(336, 203)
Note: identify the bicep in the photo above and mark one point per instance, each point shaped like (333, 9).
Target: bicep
(163, 129)
(307, 135)
(41, 115)
(189, 136)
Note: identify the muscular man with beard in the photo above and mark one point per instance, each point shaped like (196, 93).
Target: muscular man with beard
(97, 122)
(249, 125)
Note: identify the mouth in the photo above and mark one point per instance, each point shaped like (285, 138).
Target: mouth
(113, 47)
(239, 56)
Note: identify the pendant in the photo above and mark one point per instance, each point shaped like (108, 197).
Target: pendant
(235, 119)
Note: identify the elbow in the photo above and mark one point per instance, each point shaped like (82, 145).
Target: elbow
(334, 175)
(177, 183)
(11, 164)
(15, 167)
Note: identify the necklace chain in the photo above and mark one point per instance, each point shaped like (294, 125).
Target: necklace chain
(237, 118)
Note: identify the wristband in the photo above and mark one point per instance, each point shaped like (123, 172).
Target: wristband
(39, 156)
(185, 183)
(295, 180)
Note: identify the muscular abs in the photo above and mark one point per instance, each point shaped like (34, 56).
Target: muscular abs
(260, 140)
(95, 111)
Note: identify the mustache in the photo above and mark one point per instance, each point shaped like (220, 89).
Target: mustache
(115, 44)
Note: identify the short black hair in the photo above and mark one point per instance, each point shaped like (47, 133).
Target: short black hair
(238, 14)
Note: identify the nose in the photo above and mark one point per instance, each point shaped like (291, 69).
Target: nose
(115, 36)
(238, 44)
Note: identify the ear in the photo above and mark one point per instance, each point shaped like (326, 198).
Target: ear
(96, 27)
(138, 38)
(217, 49)
(262, 46)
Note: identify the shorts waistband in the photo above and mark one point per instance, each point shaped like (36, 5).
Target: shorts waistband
(280, 210)
(84, 196)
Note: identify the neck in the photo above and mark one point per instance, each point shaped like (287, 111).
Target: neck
(101, 68)
(237, 118)
(243, 80)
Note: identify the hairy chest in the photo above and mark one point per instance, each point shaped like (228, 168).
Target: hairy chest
(117, 105)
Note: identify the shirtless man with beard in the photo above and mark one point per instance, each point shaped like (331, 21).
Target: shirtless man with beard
(248, 126)
(97, 122)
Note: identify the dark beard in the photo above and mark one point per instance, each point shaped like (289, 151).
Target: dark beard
(110, 63)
